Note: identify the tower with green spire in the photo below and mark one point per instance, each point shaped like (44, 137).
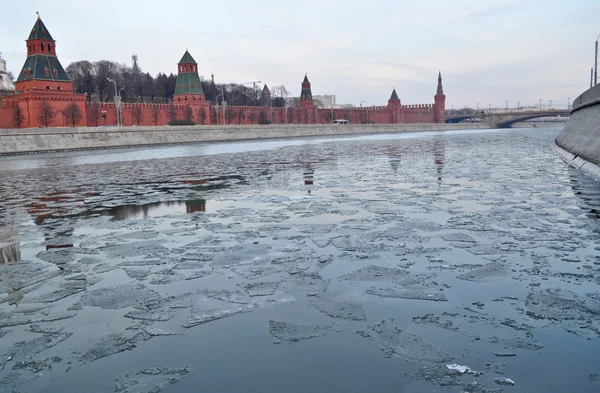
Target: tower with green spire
(188, 87)
(306, 94)
(395, 105)
(42, 69)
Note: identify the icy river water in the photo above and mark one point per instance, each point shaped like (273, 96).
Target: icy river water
(423, 262)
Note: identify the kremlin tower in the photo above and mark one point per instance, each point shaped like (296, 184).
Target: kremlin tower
(440, 102)
(306, 99)
(43, 82)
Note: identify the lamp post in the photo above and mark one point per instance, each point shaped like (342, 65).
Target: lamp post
(271, 107)
(540, 104)
(117, 102)
(331, 106)
(596, 61)
(366, 109)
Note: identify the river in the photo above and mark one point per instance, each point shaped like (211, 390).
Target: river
(417, 262)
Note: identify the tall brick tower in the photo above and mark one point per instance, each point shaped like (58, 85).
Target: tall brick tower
(306, 99)
(396, 105)
(439, 106)
(42, 70)
(265, 97)
(43, 83)
(188, 88)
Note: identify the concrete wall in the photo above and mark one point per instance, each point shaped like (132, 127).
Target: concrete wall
(581, 135)
(51, 139)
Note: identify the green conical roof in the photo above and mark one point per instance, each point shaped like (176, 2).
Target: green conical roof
(187, 58)
(305, 79)
(42, 67)
(188, 83)
(39, 31)
(394, 96)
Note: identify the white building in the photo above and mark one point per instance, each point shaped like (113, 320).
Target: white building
(5, 82)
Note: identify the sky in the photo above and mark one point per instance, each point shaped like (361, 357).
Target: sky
(489, 52)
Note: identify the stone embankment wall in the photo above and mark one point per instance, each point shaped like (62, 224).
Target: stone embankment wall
(581, 136)
(31, 140)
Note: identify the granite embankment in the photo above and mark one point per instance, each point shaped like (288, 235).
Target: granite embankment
(32, 140)
(579, 143)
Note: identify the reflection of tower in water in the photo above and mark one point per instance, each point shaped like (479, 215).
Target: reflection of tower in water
(10, 250)
(436, 147)
(309, 177)
(439, 155)
(195, 205)
(52, 212)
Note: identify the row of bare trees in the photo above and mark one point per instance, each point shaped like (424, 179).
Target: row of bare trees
(92, 78)
(46, 114)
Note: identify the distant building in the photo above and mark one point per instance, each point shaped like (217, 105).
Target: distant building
(5, 82)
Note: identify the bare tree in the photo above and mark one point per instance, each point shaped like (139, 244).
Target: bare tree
(18, 117)
(230, 113)
(188, 114)
(137, 114)
(262, 117)
(329, 116)
(45, 114)
(103, 70)
(83, 76)
(95, 113)
(172, 112)
(155, 111)
(252, 116)
(280, 95)
(241, 115)
(73, 113)
(202, 114)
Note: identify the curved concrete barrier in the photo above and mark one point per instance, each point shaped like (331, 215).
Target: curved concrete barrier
(581, 136)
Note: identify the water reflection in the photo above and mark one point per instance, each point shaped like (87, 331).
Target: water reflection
(588, 190)
(436, 147)
(154, 209)
(10, 250)
(439, 154)
(309, 177)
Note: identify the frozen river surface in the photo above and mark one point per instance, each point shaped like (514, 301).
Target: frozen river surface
(446, 262)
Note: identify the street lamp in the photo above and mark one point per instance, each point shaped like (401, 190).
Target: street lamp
(596, 61)
(367, 109)
(117, 102)
(540, 104)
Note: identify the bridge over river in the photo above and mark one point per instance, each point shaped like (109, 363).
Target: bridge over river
(506, 119)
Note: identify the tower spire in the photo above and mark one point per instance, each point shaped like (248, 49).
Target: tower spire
(440, 89)
(306, 94)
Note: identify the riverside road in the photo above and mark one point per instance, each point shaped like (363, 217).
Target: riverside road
(438, 261)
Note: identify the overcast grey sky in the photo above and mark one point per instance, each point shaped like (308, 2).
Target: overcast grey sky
(488, 51)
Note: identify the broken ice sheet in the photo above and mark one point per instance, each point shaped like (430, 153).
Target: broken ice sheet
(294, 332)
(150, 380)
(333, 304)
(395, 341)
